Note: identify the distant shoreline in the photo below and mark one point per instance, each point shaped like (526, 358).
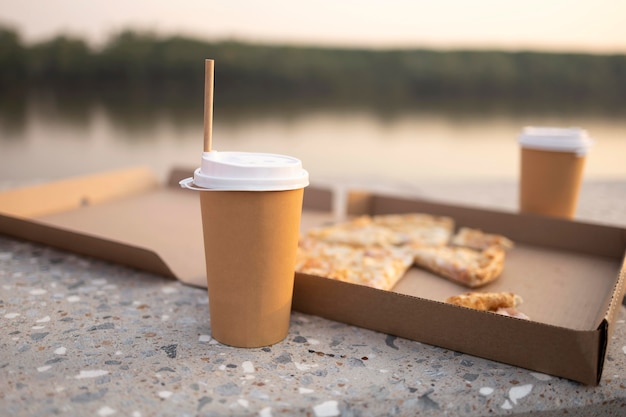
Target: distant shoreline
(140, 63)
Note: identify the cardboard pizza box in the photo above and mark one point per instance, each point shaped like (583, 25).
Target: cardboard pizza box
(570, 274)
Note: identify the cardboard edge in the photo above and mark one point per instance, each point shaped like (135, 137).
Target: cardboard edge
(70, 193)
(607, 325)
(481, 334)
(84, 244)
(551, 232)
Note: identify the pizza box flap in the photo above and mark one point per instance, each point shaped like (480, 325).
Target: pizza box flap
(127, 217)
(124, 216)
(72, 193)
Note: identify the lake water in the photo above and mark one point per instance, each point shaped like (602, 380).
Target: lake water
(401, 147)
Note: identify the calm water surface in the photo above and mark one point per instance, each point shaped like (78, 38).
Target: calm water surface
(403, 147)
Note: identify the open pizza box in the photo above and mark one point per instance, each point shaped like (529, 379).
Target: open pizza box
(570, 274)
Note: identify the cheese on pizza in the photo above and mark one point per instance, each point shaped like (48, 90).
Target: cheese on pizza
(372, 250)
(415, 229)
(477, 239)
(377, 267)
(418, 229)
(504, 303)
(360, 231)
(465, 266)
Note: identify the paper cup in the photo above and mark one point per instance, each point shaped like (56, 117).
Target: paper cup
(251, 208)
(552, 163)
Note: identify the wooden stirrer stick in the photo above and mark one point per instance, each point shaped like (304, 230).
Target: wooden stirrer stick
(208, 103)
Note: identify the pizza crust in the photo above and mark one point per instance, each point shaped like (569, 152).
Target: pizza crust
(486, 301)
(504, 303)
(477, 239)
(462, 265)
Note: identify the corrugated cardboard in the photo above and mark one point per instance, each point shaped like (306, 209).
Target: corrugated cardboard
(570, 274)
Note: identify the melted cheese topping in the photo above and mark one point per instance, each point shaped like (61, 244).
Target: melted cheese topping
(376, 267)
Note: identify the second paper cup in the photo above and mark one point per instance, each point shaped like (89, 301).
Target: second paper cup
(552, 162)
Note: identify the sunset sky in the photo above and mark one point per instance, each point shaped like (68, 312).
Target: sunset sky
(561, 25)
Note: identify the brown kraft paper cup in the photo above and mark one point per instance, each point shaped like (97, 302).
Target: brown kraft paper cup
(550, 182)
(250, 241)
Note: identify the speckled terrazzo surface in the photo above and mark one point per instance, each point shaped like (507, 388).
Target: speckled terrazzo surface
(83, 337)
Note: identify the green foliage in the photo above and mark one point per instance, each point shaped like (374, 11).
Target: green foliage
(146, 64)
(12, 58)
(61, 59)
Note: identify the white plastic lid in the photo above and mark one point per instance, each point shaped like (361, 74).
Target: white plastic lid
(247, 171)
(558, 139)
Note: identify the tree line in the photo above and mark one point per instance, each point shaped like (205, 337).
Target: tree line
(136, 62)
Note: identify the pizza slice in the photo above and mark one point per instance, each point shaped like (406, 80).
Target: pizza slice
(418, 229)
(504, 303)
(377, 267)
(477, 239)
(463, 265)
(360, 231)
(414, 229)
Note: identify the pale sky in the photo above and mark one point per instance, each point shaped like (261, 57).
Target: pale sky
(562, 25)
